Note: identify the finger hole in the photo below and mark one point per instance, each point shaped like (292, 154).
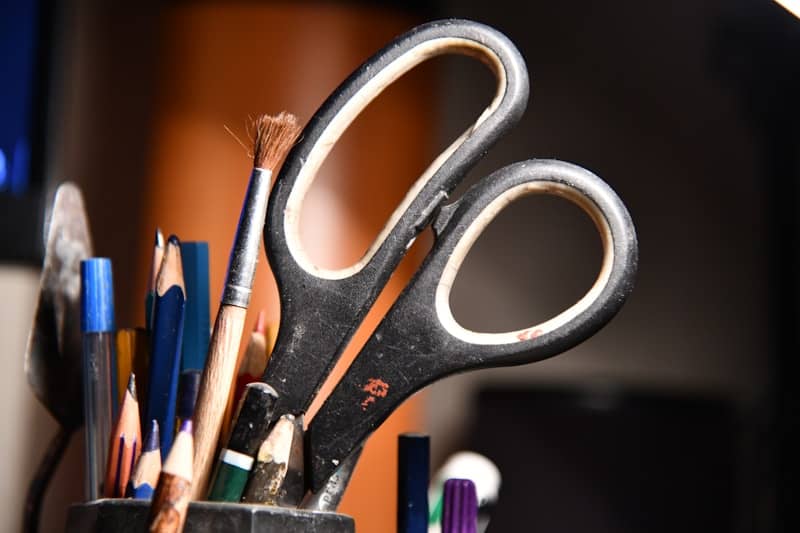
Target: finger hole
(532, 256)
(342, 121)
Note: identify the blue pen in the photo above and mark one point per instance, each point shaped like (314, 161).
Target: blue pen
(99, 373)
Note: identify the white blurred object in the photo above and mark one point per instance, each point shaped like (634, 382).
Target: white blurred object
(792, 6)
(465, 465)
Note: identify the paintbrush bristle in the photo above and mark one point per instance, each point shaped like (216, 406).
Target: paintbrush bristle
(273, 136)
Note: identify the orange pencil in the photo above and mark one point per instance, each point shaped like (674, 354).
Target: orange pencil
(125, 444)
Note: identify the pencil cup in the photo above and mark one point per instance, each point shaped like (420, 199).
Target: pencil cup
(130, 516)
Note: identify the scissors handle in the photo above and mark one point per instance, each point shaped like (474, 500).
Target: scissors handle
(419, 341)
(321, 308)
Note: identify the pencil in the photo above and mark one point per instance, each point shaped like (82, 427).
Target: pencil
(197, 327)
(273, 138)
(413, 472)
(132, 355)
(253, 358)
(124, 444)
(155, 266)
(277, 476)
(172, 495)
(236, 459)
(143, 481)
(168, 312)
(188, 385)
(97, 325)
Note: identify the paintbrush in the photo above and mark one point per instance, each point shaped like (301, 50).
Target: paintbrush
(273, 138)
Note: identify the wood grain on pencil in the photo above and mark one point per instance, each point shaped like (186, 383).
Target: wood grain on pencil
(172, 496)
(125, 444)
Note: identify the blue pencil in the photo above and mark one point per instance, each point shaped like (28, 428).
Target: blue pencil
(168, 312)
(145, 475)
(413, 473)
(197, 322)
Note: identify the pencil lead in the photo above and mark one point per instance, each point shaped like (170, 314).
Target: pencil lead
(272, 138)
(261, 323)
(186, 426)
(159, 242)
(153, 440)
(171, 272)
(132, 385)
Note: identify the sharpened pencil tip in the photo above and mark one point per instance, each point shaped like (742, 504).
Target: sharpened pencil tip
(261, 323)
(132, 385)
(159, 242)
(171, 271)
(153, 440)
(186, 426)
(273, 136)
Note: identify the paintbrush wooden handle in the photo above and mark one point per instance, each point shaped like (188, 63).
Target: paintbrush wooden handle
(214, 390)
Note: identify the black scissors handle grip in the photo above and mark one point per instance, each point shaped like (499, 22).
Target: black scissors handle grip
(419, 341)
(321, 308)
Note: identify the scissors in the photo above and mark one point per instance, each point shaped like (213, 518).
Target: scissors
(419, 341)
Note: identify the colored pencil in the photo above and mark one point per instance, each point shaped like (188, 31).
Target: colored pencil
(253, 358)
(99, 379)
(143, 481)
(155, 266)
(236, 459)
(413, 472)
(133, 352)
(188, 385)
(172, 495)
(165, 353)
(277, 476)
(197, 323)
(124, 444)
(273, 138)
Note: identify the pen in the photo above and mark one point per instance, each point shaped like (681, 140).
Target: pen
(97, 325)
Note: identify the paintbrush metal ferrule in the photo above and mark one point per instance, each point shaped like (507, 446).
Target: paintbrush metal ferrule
(244, 255)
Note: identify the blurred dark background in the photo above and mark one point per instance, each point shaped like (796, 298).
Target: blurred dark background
(680, 415)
